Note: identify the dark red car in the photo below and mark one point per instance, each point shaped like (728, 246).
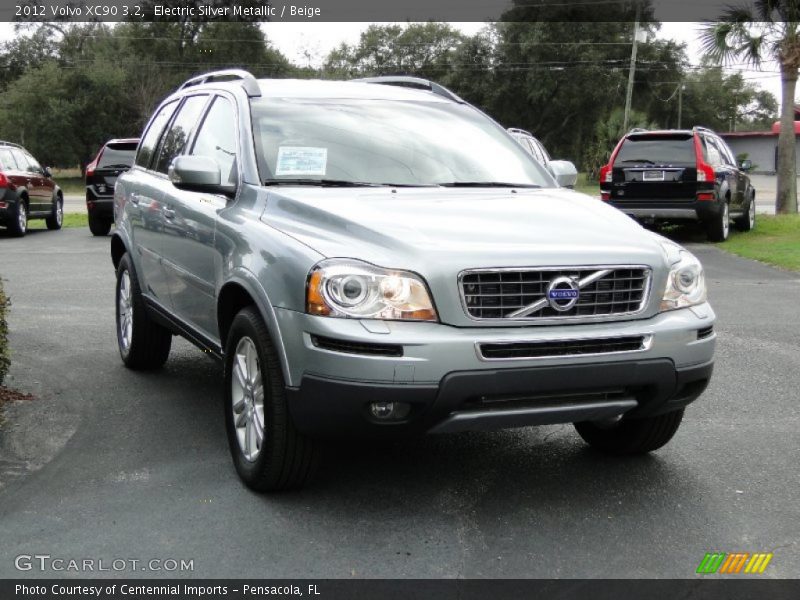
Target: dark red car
(113, 159)
(27, 191)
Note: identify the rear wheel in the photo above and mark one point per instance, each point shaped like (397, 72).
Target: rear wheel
(56, 219)
(18, 224)
(748, 220)
(268, 452)
(718, 226)
(99, 226)
(143, 343)
(631, 436)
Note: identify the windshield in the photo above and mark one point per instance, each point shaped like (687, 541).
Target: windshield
(386, 142)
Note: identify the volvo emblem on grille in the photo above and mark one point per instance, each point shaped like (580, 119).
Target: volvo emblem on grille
(563, 293)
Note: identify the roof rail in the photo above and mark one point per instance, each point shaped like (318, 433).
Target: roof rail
(249, 82)
(638, 130)
(518, 130)
(412, 82)
(701, 128)
(4, 143)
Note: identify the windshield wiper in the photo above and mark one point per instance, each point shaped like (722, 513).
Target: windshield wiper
(645, 161)
(119, 166)
(321, 182)
(488, 184)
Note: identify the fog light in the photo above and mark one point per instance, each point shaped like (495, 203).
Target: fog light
(389, 411)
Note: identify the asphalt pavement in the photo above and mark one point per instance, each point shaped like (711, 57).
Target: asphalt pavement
(111, 464)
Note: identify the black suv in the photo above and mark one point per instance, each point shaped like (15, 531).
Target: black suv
(680, 174)
(27, 191)
(114, 158)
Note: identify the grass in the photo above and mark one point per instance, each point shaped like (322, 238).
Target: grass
(587, 186)
(775, 241)
(70, 220)
(70, 181)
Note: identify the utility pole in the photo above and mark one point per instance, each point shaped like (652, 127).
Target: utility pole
(680, 103)
(629, 94)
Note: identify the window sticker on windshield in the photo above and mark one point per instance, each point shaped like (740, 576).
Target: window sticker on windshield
(299, 160)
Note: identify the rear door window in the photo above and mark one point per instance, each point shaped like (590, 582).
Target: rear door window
(657, 150)
(151, 137)
(19, 158)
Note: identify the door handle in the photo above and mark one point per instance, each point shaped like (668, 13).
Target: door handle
(168, 213)
(134, 198)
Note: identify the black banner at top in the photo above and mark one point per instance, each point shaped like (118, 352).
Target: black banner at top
(365, 10)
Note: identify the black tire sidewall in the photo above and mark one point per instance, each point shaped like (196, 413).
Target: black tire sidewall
(265, 470)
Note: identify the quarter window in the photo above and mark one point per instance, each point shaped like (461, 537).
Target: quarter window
(217, 139)
(175, 141)
(148, 146)
(7, 160)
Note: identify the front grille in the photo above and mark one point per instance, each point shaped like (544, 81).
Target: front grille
(546, 349)
(498, 293)
(349, 347)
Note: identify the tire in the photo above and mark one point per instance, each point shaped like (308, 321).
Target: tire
(18, 225)
(747, 221)
(143, 343)
(98, 226)
(631, 436)
(718, 227)
(255, 405)
(56, 219)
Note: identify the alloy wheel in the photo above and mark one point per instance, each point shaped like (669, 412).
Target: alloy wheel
(247, 399)
(125, 307)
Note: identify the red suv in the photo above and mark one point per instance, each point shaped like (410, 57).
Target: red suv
(27, 191)
(680, 174)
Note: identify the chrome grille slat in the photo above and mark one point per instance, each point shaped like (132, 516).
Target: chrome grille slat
(495, 294)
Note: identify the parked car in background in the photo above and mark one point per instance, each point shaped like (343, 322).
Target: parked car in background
(114, 158)
(563, 170)
(375, 260)
(680, 174)
(27, 191)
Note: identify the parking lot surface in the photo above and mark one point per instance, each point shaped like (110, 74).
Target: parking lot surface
(108, 463)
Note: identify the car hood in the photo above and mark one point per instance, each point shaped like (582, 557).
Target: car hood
(422, 228)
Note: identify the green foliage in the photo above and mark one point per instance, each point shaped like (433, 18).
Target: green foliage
(606, 135)
(5, 356)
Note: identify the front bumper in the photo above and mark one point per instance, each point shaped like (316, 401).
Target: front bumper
(449, 386)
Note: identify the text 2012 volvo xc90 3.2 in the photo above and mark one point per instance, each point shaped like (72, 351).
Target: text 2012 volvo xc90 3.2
(386, 260)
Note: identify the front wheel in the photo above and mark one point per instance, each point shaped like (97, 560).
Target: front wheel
(268, 452)
(631, 436)
(56, 218)
(143, 343)
(719, 226)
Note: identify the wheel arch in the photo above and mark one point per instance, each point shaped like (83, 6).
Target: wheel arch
(118, 249)
(242, 290)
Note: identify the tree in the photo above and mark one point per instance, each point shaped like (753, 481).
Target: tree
(768, 30)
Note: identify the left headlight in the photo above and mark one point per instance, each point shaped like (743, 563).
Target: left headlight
(686, 284)
(357, 290)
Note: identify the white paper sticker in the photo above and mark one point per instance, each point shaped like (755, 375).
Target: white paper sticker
(299, 160)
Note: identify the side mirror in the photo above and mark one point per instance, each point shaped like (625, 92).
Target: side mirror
(746, 164)
(47, 172)
(198, 174)
(565, 173)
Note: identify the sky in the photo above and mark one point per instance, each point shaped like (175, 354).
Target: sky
(309, 43)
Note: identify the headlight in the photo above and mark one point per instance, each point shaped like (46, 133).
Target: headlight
(356, 290)
(686, 284)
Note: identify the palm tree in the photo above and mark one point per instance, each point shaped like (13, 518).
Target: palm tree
(769, 30)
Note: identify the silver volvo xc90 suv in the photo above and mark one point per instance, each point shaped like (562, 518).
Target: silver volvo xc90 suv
(386, 260)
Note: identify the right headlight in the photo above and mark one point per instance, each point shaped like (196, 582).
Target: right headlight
(357, 290)
(686, 284)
